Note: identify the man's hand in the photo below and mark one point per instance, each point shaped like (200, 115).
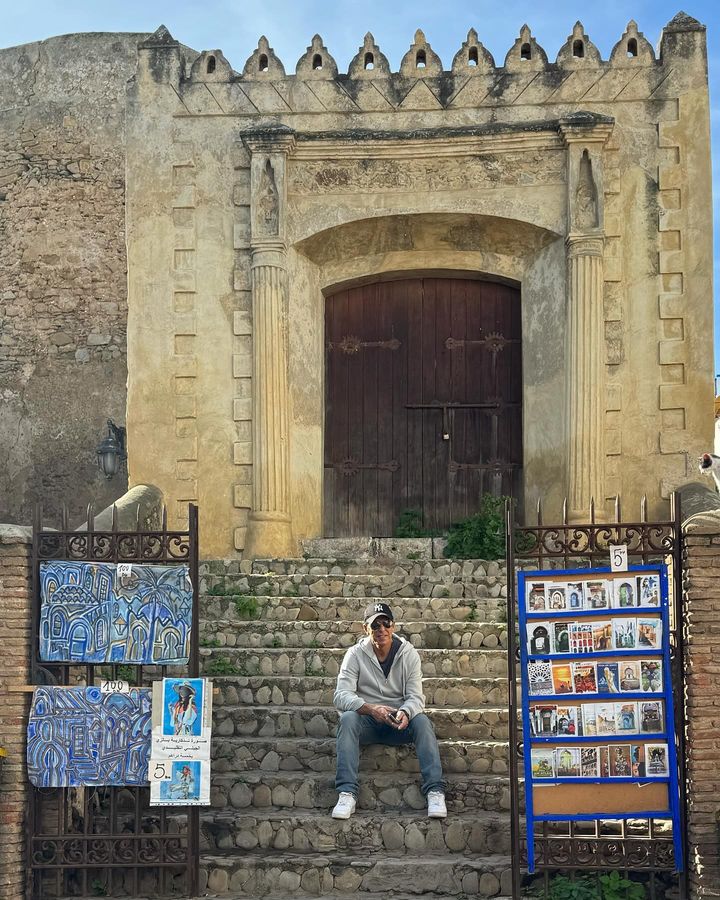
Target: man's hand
(381, 714)
(401, 717)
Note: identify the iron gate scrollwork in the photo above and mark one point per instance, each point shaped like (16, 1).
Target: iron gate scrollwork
(641, 848)
(109, 841)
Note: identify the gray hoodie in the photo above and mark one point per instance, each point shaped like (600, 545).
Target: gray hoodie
(361, 680)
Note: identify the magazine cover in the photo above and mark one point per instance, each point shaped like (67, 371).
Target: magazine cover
(561, 637)
(585, 678)
(605, 717)
(589, 762)
(567, 762)
(575, 593)
(651, 716)
(625, 595)
(656, 760)
(597, 595)
(562, 676)
(649, 634)
(568, 722)
(556, 597)
(651, 675)
(589, 720)
(626, 717)
(538, 638)
(608, 679)
(602, 635)
(649, 589)
(581, 637)
(620, 763)
(629, 675)
(536, 599)
(543, 720)
(542, 761)
(540, 676)
(625, 634)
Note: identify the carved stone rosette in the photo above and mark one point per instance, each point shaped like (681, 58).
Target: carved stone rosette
(269, 525)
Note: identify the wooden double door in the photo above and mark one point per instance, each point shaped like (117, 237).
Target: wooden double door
(423, 391)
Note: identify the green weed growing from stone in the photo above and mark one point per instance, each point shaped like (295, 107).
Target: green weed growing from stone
(245, 607)
(221, 665)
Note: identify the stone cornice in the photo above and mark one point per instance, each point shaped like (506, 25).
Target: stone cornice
(269, 140)
(585, 127)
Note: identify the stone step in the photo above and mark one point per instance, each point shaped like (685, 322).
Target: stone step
(242, 608)
(326, 663)
(278, 690)
(379, 792)
(468, 568)
(341, 585)
(480, 723)
(260, 874)
(439, 635)
(246, 754)
(310, 831)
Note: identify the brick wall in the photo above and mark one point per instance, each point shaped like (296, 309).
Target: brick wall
(702, 624)
(15, 589)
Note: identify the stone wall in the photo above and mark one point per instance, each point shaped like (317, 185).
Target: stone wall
(63, 295)
(15, 594)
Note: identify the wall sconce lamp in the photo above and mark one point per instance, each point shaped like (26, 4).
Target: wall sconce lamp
(111, 454)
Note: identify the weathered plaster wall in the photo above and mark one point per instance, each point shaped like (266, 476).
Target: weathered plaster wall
(63, 304)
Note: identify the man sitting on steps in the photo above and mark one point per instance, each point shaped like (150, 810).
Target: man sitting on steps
(380, 700)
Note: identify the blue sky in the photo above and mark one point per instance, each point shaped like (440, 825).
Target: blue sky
(235, 25)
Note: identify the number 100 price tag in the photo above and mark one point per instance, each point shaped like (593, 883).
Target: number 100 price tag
(618, 558)
(114, 686)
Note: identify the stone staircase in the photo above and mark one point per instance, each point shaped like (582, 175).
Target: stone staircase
(273, 635)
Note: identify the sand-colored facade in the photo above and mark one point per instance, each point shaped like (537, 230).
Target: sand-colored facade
(252, 195)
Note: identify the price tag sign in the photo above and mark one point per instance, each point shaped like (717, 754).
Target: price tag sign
(160, 771)
(114, 686)
(618, 558)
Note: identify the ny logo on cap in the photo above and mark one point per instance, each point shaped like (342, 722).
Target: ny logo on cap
(379, 607)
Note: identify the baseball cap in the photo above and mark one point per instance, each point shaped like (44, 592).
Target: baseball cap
(377, 609)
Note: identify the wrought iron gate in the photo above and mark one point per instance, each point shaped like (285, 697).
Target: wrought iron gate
(108, 841)
(643, 848)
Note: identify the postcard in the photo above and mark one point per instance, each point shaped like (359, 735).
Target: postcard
(625, 634)
(585, 678)
(597, 595)
(543, 720)
(184, 782)
(604, 762)
(649, 634)
(589, 762)
(567, 762)
(626, 717)
(625, 593)
(629, 676)
(538, 638)
(608, 680)
(556, 597)
(542, 762)
(562, 676)
(602, 635)
(574, 593)
(651, 675)
(652, 719)
(581, 637)
(536, 599)
(656, 760)
(637, 760)
(561, 637)
(540, 676)
(568, 721)
(589, 720)
(649, 589)
(605, 718)
(620, 763)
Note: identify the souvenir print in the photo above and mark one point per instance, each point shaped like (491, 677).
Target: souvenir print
(561, 637)
(607, 678)
(656, 760)
(581, 637)
(542, 762)
(574, 593)
(536, 598)
(604, 761)
(624, 593)
(620, 763)
(597, 595)
(543, 720)
(589, 763)
(649, 634)
(649, 589)
(567, 762)
(568, 723)
(637, 760)
(625, 634)
(651, 675)
(629, 675)
(602, 635)
(539, 643)
(540, 677)
(556, 597)
(562, 678)
(605, 718)
(585, 678)
(589, 719)
(651, 717)
(626, 717)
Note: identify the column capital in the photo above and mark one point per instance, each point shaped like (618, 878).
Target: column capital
(585, 128)
(271, 140)
(269, 252)
(585, 244)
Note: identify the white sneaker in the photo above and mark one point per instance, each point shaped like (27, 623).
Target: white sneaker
(345, 806)
(436, 805)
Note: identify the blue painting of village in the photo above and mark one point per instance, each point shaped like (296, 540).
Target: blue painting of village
(91, 614)
(78, 736)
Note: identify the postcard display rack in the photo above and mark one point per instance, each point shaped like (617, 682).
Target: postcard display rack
(597, 702)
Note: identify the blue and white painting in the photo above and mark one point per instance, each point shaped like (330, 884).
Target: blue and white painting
(184, 783)
(90, 613)
(183, 704)
(79, 736)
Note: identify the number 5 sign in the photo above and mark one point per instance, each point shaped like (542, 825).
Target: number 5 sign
(160, 771)
(618, 558)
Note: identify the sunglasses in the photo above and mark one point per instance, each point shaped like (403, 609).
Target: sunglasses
(384, 623)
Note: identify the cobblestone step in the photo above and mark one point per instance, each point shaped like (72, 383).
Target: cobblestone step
(439, 635)
(387, 564)
(232, 755)
(478, 723)
(326, 663)
(242, 608)
(308, 832)
(257, 874)
(379, 792)
(278, 690)
(341, 585)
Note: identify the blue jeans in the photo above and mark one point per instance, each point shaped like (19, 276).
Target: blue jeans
(355, 731)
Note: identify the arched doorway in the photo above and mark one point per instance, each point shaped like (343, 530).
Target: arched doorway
(423, 401)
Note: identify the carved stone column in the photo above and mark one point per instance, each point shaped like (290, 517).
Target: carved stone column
(584, 137)
(269, 525)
